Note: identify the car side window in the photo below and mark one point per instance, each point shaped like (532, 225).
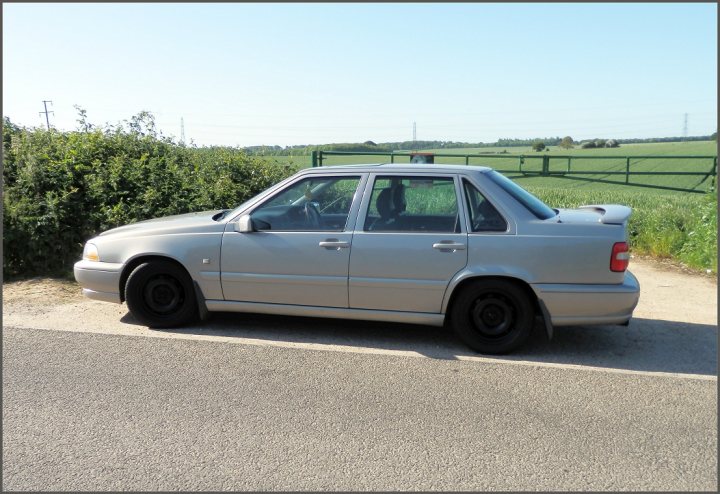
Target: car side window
(413, 204)
(483, 215)
(312, 204)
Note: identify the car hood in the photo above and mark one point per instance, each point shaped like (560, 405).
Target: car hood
(180, 223)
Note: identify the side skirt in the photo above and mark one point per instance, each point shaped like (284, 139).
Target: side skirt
(333, 312)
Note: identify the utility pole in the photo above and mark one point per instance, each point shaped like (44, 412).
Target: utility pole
(685, 128)
(46, 112)
(182, 130)
(414, 132)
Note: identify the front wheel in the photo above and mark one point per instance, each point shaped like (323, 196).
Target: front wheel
(492, 316)
(160, 294)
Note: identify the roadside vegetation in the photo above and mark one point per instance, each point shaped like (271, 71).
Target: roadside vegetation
(61, 188)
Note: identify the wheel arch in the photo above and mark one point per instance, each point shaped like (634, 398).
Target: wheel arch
(136, 261)
(538, 306)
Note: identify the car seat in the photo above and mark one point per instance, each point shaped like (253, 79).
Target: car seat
(390, 203)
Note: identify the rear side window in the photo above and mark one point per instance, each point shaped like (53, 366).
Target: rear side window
(413, 204)
(483, 215)
(531, 203)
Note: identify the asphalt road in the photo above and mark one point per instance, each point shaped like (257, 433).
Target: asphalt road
(93, 401)
(93, 411)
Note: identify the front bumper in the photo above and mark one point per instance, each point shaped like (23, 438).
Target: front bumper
(572, 304)
(99, 280)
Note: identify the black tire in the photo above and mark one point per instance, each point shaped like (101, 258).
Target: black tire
(492, 316)
(160, 294)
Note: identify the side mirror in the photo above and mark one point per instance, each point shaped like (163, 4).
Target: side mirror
(244, 224)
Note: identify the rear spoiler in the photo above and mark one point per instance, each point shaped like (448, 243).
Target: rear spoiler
(611, 214)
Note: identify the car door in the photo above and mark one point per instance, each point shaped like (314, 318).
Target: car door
(409, 241)
(300, 249)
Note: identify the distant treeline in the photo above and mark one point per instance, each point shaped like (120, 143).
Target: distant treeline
(304, 150)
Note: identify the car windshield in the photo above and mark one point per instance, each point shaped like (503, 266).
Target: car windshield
(532, 203)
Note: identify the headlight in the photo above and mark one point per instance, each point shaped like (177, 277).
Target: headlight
(90, 252)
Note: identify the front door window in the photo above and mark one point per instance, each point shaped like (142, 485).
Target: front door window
(312, 204)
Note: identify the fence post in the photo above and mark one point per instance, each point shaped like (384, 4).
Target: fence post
(627, 170)
(568, 167)
(714, 175)
(520, 164)
(467, 160)
(392, 157)
(546, 165)
(313, 159)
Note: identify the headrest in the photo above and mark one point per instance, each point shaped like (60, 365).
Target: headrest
(399, 199)
(384, 203)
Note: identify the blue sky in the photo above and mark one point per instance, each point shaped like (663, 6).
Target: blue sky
(284, 74)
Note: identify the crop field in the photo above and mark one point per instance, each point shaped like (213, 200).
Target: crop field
(582, 160)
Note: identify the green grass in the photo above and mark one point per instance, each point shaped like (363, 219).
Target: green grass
(703, 148)
(582, 160)
(653, 148)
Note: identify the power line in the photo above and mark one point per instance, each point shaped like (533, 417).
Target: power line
(46, 112)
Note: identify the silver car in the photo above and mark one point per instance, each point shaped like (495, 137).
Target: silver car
(424, 244)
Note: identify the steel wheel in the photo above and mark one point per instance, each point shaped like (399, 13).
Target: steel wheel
(492, 316)
(160, 294)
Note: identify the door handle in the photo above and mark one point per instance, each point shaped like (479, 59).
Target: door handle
(334, 244)
(448, 246)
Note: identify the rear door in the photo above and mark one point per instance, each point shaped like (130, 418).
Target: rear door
(409, 242)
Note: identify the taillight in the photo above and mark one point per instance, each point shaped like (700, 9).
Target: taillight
(620, 257)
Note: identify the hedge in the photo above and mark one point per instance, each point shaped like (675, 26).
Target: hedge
(61, 188)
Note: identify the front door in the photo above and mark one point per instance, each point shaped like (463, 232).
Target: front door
(300, 251)
(408, 244)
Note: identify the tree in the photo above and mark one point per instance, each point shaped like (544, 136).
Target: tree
(599, 143)
(538, 146)
(369, 143)
(567, 142)
(612, 143)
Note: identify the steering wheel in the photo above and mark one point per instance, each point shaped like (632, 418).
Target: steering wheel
(312, 216)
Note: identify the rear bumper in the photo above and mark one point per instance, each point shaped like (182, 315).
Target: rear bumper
(590, 304)
(99, 280)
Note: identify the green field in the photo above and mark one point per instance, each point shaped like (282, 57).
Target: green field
(582, 160)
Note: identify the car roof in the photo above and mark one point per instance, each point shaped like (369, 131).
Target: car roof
(401, 167)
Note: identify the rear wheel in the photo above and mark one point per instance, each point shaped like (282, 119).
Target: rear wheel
(492, 316)
(160, 294)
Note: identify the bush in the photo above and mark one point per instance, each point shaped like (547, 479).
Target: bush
(588, 145)
(700, 247)
(61, 188)
(567, 142)
(538, 146)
